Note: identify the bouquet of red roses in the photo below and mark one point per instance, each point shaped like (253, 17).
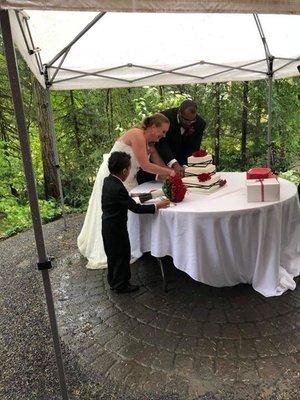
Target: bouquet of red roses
(174, 189)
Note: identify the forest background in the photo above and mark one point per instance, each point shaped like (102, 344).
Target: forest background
(87, 122)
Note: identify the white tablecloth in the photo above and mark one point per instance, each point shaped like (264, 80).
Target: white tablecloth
(220, 239)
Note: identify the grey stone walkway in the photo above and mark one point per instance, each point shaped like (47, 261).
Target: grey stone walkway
(194, 342)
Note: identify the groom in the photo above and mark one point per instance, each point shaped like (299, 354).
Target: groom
(182, 139)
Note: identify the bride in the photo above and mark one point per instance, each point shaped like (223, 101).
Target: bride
(134, 142)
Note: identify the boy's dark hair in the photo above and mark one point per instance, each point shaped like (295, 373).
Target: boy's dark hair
(117, 161)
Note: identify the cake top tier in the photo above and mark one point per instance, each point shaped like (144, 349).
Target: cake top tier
(200, 158)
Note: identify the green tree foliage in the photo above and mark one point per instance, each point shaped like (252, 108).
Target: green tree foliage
(87, 122)
(14, 209)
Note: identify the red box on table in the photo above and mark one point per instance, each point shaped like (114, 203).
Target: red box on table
(259, 173)
(262, 185)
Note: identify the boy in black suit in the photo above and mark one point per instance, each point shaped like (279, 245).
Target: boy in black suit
(115, 204)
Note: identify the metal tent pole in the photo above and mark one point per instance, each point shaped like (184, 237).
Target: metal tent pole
(270, 73)
(55, 155)
(44, 263)
(77, 37)
(270, 93)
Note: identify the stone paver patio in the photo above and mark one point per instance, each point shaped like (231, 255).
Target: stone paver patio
(194, 342)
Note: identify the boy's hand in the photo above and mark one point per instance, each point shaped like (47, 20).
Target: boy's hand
(163, 204)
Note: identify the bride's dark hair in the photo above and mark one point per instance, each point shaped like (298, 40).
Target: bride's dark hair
(156, 119)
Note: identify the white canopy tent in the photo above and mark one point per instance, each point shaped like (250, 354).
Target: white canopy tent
(213, 6)
(139, 49)
(88, 50)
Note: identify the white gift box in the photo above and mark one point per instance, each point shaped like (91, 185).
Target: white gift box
(263, 190)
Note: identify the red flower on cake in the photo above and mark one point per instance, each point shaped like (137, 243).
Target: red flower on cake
(200, 153)
(174, 189)
(205, 176)
(222, 182)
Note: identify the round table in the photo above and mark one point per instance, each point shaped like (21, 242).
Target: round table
(221, 240)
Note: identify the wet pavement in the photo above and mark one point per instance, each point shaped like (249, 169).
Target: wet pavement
(193, 342)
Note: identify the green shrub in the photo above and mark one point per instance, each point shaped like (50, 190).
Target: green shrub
(15, 217)
(291, 175)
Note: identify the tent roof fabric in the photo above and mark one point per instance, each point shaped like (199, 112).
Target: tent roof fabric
(140, 49)
(205, 6)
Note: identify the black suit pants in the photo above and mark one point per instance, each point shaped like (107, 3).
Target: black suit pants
(117, 249)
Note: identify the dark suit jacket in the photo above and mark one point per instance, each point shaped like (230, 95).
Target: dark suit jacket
(177, 145)
(116, 202)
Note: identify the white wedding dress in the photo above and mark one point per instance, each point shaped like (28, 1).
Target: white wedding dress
(90, 241)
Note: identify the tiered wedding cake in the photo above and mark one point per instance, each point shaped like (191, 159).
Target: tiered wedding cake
(200, 174)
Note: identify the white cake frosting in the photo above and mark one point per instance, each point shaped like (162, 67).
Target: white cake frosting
(209, 169)
(199, 160)
(208, 186)
(197, 166)
(194, 181)
(204, 191)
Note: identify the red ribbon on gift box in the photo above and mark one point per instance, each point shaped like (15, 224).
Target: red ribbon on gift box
(262, 189)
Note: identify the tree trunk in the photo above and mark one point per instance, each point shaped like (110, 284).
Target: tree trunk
(161, 92)
(257, 130)
(3, 136)
(180, 89)
(51, 186)
(75, 121)
(244, 124)
(111, 115)
(217, 124)
(108, 111)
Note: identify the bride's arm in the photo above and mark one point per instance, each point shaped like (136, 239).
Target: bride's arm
(138, 144)
(155, 157)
